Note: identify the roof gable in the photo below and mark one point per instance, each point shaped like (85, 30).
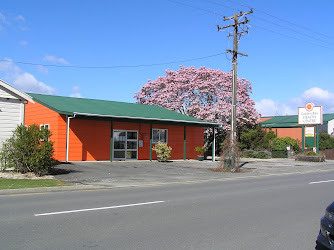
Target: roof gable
(14, 93)
(101, 108)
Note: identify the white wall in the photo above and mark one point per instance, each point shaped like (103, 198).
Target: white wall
(11, 114)
(330, 126)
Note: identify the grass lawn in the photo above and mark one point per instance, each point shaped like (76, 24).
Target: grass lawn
(27, 183)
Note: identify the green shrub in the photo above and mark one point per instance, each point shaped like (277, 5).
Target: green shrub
(311, 153)
(28, 150)
(263, 155)
(325, 141)
(255, 154)
(279, 153)
(248, 154)
(200, 150)
(163, 151)
(281, 144)
(256, 138)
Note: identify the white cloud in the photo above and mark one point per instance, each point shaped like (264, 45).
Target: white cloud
(19, 18)
(23, 43)
(28, 83)
(55, 60)
(318, 96)
(3, 19)
(23, 80)
(76, 89)
(268, 107)
(42, 69)
(8, 66)
(77, 95)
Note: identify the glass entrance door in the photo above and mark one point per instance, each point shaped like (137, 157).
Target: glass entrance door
(125, 145)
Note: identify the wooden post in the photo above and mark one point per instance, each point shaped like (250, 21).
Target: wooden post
(150, 141)
(303, 139)
(214, 145)
(111, 139)
(184, 143)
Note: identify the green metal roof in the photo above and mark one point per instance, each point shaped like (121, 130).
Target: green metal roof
(289, 121)
(101, 108)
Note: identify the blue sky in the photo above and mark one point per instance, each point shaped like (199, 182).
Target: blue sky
(290, 47)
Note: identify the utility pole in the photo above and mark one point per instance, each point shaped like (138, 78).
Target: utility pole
(233, 140)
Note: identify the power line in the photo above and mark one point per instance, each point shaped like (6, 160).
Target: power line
(281, 19)
(295, 38)
(111, 67)
(216, 13)
(194, 7)
(279, 25)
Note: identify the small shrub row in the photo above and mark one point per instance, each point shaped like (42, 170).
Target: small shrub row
(255, 154)
(279, 153)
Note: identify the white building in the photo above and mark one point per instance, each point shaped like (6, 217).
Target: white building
(11, 109)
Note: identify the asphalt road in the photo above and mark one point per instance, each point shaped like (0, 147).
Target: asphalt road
(280, 212)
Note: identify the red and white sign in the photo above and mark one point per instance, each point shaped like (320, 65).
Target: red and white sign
(310, 115)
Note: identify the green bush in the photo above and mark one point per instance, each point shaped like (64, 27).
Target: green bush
(163, 151)
(28, 150)
(200, 150)
(311, 153)
(255, 154)
(281, 144)
(279, 153)
(256, 138)
(248, 154)
(263, 155)
(325, 141)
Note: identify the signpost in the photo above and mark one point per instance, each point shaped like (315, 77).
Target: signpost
(310, 115)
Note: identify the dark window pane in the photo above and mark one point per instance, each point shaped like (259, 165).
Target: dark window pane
(119, 154)
(163, 135)
(119, 145)
(155, 136)
(131, 145)
(119, 136)
(132, 135)
(131, 155)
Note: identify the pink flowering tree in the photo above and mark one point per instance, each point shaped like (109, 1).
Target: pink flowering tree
(201, 93)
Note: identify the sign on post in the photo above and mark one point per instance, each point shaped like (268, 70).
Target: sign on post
(310, 115)
(309, 132)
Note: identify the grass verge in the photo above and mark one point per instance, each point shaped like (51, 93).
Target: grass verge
(26, 183)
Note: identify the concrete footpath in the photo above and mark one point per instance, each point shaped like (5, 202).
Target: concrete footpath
(96, 175)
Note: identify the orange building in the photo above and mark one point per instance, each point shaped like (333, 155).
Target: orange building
(91, 130)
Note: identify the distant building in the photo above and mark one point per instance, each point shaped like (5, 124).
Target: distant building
(284, 126)
(12, 103)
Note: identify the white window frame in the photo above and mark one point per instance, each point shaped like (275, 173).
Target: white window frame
(159, 129)
(126, 140)
(45, 126)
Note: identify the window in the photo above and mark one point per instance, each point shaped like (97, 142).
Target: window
(159, 135)
(44, 126)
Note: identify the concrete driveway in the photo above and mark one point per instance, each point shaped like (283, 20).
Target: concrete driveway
(139, 173)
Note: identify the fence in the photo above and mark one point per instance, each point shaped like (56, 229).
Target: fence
(329, 154)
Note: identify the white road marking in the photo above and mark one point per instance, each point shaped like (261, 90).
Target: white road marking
(316, 182)
(99, 208)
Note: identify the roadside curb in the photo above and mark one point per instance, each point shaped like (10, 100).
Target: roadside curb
(47, 189)
(104, 186)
